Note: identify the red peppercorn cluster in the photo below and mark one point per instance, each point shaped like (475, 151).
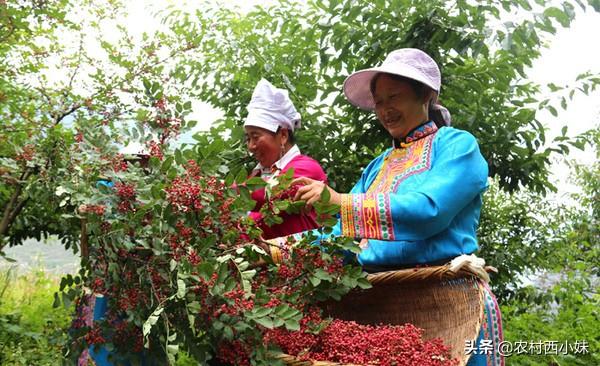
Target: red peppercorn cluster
(95, 209)
(27, 154)
(157, 282)
(180, 242)
(304, 259)
(155, 149)
(161, 104)
(207, 198)
(98, 286)
(164, 119)
(129, 299)
(268, 207)
(105, 226)
(193, 258)
(236, 304)
(125, 191)
(287, 193)
(168, 125)
(185, 256)
(79, 136)
(300, 342)
(127, 334)
(94, 336)
(118, 163)
(184, 191)
(234, 353)
(184, 194)
(127, 197)
(349, 342)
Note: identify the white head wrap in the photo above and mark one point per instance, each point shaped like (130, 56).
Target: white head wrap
(271, 108)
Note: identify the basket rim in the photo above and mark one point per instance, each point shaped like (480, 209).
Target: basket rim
(417, 274)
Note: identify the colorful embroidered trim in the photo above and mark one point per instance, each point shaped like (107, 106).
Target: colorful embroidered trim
(423, 130)
(367, 216)
(492, 327)
(401, 164)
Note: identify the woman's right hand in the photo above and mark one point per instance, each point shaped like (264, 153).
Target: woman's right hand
(311, 191)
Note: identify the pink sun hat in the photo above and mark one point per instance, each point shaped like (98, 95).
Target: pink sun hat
(408, 62)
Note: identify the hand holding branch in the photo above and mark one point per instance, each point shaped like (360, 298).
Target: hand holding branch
(311, 191)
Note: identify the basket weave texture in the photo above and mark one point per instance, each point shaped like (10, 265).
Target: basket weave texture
(445, 304)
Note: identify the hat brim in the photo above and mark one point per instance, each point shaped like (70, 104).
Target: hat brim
(357, 86)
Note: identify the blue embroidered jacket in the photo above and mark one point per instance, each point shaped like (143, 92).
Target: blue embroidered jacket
(418, 203)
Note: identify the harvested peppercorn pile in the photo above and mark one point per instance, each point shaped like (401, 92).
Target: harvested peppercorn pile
(349, 342)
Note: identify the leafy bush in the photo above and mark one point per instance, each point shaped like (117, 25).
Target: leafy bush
(568, 312)
(173, 249)
(32, 331)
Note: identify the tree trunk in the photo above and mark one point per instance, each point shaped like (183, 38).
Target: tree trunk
(13, 207)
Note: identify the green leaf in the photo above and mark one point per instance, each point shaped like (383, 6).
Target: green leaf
(56, 303)
(322, 274)
(559, 15)
(151, 321)
(166, 164)
(265, 322)
(179, 157)
(255, 183)
(66, 299)
(363, 283)
(315, 281)
(292, 325)
(228, 333)
(173, 348)
(241, 176)
(181, 289)
(147, 85)
(261, 312)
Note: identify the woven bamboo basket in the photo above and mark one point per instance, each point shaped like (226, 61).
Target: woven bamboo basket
(445, 304)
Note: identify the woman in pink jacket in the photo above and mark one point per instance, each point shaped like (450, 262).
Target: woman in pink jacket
(269, 129)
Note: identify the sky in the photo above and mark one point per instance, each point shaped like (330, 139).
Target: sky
(571, 52)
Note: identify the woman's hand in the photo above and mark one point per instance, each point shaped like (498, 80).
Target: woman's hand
(311, 191)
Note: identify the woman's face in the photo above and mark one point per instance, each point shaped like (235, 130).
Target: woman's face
(397, 106)
(264, 145)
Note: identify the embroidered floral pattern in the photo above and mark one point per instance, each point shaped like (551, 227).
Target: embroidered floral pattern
(401, 164)
(420, 132)
(373, 213)
(369, 215)
(491, 329)
(494, 326)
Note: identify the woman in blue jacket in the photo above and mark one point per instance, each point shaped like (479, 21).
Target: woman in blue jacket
(419, 201)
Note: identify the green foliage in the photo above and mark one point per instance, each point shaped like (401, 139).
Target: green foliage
(524, 233)
(32, 332)
(517, 236)
(173, 250)
(567, 312)
(56, 94)
(483, 69)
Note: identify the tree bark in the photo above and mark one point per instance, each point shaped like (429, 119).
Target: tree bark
(13, 207)
(85, 249)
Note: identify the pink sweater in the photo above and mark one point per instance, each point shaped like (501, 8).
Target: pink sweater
(304, 166)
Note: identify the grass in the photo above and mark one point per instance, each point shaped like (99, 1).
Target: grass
(32, 332)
